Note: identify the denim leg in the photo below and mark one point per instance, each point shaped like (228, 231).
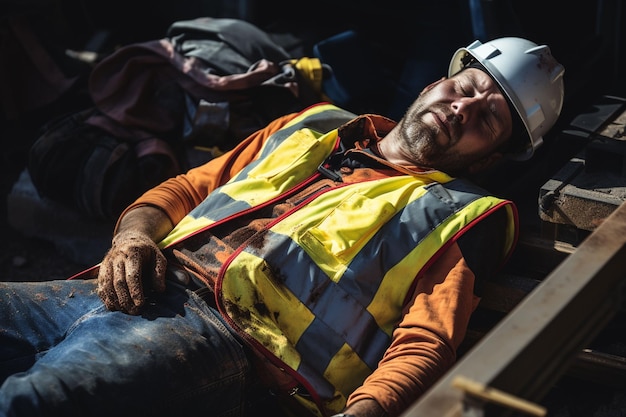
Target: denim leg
(34, 317)
(78, 359)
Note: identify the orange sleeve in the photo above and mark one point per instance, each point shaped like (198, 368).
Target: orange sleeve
(177, 196)
(424, 343)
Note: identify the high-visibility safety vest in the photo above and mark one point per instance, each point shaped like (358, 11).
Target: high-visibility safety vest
(320, 291)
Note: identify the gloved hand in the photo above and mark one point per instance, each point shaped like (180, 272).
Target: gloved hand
(133, 260)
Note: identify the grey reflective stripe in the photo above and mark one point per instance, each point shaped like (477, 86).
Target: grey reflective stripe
(340, 308)
(218, 205)
(322, 122)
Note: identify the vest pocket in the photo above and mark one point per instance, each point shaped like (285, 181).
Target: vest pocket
(346, 229)
(299, 148)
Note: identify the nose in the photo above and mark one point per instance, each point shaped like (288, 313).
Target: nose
(465, 107)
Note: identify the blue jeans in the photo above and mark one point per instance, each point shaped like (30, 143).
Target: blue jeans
(63, 354)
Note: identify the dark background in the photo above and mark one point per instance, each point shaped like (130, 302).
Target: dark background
(400, 47)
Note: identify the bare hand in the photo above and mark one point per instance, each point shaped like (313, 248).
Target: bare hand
(134, 259)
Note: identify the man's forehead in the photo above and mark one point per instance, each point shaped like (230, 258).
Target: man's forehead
(479, 78)
(484, 82)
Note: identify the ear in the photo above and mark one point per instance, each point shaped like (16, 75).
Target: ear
(431, 85)
(485, 163)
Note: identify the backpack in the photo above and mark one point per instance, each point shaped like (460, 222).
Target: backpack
(162, 107)
(93, 172)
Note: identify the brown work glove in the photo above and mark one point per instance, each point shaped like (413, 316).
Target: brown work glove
(133, 261)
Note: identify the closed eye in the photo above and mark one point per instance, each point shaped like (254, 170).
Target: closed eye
(464, 91)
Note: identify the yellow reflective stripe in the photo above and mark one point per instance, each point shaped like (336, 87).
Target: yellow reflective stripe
(346, 364)
(341, 222)
(289, 164)
(309, 112)
(269, 319)
(392, 291)
(511, 228)
(433, 176)
(292, 162)
(184, 228)
(310, 406)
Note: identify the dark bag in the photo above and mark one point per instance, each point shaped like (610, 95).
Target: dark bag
(93, 172)
(162, 107)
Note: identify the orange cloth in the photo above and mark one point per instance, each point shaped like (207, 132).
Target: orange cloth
(424, 344)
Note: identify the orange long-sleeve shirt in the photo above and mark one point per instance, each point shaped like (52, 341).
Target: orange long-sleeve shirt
(425, 341)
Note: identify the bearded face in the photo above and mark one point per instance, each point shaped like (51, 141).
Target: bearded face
(455, 124)
(429, 143)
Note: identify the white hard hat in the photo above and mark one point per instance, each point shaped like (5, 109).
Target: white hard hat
(529, 76)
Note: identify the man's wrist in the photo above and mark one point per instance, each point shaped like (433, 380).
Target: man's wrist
(366, 407)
